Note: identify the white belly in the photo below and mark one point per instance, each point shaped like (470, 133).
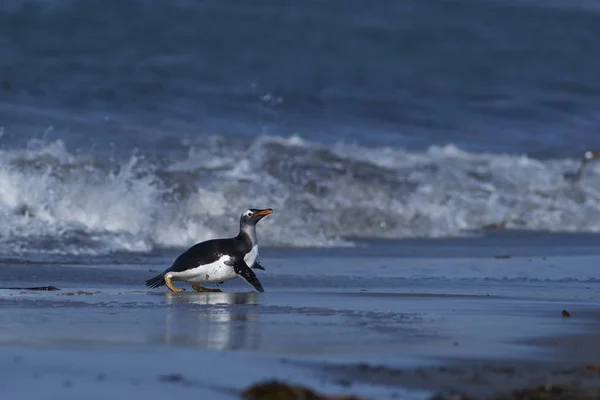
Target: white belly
(214, 272)
(250, 258)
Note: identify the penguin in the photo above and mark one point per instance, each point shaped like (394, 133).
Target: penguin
(218, 260)
(587, 157)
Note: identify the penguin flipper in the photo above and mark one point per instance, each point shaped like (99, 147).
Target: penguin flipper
(243, 271)
(256, 265)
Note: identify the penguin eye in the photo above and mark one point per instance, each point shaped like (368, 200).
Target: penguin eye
(249, 214)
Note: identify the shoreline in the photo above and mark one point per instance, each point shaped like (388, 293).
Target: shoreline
(385, 327)
(73, 368)
(571, 362)
(543, 358)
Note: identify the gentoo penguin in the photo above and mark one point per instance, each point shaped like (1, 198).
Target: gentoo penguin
(218, 260)
(587, 157)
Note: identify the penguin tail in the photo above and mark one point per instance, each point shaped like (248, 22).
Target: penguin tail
(157, 281)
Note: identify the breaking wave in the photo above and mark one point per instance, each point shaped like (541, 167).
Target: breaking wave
(58, 201)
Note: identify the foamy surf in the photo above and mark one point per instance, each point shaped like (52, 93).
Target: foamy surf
(55, 200)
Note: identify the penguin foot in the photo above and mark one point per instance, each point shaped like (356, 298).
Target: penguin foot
(199, 288)
(170, 285)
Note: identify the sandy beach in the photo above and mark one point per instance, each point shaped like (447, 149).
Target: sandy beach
(398, 325)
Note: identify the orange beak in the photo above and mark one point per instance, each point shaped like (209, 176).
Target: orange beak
(264, 213)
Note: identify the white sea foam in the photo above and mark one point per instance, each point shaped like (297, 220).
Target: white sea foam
(58, 201)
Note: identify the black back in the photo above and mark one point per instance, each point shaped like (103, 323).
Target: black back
(210, 251)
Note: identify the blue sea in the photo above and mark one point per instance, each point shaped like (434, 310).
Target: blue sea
(133, 126)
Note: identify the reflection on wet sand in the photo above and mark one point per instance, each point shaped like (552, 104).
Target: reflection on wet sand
(212, 320)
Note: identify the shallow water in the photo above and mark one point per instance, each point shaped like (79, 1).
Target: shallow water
(383, 303)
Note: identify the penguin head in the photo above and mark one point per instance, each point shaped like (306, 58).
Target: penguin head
(253, 215)
(590, 155)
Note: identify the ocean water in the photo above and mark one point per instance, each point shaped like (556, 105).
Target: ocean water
(131, 126)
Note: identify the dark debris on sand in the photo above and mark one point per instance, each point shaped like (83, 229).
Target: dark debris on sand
(282, 391)
(567, 391)
(36, 288)
(485, 381)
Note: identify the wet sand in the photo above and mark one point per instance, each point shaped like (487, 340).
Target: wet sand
(392, 326)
